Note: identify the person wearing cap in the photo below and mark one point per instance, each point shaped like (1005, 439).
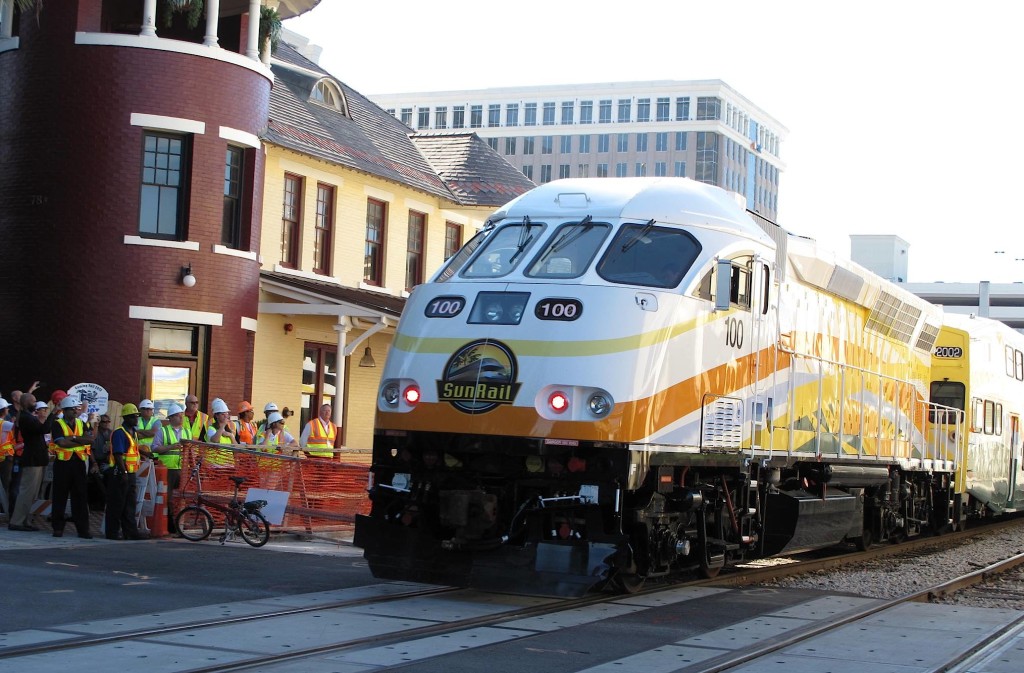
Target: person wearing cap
(167, 449)
(148, 428)
(33, 461)
(245, 429)
(6, 456)
(221, 431)
(195, 420)
(123, 463)
(276, 438)
(72, 440)
(318, 437)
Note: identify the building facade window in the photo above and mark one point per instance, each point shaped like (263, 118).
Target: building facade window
(324, 228)
(663, 110)
(528, 143)
(661, 142)
(512, 114)
(510, 147)
(587, 112)
(164, 174)
(545, 173)
(547, 144)
(603, 142)
(565, 144)
(680, 141)
(231, 217)
(660, 170)
(291, 221)
(706, 169)
(708, 107)
(176, 360)
(423, 118)
(319, 378)
(620, 169)
(583, 171)
(605, 112)
(441, 117)
(493, 143)
(452, 239)
(622, 144)
(585, 144)
(563, 171)
(373, 257)
(476, 116)
(602, 170)
(549, 114)
(530, 114)
(680, 169)
(458, 116)
(407, 116)
(640, 170)
(414, 249)
(643, 110)
(624, 109)
(494, 115)
(682, 109)
(528, 172)
(641, 142)
(567, 111)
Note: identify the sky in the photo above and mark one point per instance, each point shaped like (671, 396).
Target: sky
(901, 114)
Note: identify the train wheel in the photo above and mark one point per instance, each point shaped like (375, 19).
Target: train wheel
(708, 572)
(865, 540)
(628, 581)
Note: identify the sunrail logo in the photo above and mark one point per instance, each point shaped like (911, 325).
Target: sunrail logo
(478, 377)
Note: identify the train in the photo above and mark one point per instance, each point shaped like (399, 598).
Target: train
(627, 379)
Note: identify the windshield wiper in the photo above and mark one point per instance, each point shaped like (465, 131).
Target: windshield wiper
(643, 232)
(524, 240)
(570, 234)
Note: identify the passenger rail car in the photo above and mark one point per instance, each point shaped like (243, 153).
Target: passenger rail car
(620, 379)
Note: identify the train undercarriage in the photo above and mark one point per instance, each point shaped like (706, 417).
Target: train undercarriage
(562, 518)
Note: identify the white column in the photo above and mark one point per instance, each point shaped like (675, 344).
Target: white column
(343, 327)
(7, 18)
(252, 46)
(148, 18)
(212, 16)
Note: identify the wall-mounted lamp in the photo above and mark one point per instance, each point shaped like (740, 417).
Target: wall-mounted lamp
(367, 359)
(288, 327)
(187, 279)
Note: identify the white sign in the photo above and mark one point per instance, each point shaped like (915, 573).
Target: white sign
(92, 395)
(276, 502)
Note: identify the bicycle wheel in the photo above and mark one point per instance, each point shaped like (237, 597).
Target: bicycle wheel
(194, 523)
(254, 528)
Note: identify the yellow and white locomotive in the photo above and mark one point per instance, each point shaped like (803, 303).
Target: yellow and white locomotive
(626, 378)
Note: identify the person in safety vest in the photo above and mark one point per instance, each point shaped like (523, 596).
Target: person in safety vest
(261, 429)
(6, 455)
(122, 465)
(167, 449)
(195, 419)
(245, 429)
(277, 439)
(148, 428)
(72, 440)
(221, 431)
(319, 435)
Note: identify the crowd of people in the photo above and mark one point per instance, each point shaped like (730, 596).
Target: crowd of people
(83, 444)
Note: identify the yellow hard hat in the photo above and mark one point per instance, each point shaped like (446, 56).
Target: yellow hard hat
(129, 409)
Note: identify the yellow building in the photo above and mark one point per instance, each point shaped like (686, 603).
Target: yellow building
(357, 210)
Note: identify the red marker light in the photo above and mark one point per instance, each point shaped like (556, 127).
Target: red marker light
(558, 402)
(411, 395)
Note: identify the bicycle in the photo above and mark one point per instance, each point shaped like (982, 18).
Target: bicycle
(195, 522)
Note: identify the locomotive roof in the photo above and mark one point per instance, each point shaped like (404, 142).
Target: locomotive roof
(667, 200)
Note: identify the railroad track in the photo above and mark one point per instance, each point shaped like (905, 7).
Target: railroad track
(500, 611)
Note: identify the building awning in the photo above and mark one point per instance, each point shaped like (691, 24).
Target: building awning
(313, 297)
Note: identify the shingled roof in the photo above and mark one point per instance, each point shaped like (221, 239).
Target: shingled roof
(370, 140)
(471, 169)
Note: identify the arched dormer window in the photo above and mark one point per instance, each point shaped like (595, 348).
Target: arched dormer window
(328, 93)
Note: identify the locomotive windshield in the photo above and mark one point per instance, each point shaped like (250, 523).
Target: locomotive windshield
(504, 249)
(570, 251)
(644, 254)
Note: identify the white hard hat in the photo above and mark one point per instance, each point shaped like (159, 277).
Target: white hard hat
(69, 402)
(4, 403)
(41, 405)
(220, 407)
(146, 404)
(174, 409)
(274, 418)
(270, 407)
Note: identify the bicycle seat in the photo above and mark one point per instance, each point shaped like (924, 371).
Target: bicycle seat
(238, 480)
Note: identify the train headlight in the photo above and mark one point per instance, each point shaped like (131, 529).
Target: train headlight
(390, 393)
(558, 401)
(599, 405)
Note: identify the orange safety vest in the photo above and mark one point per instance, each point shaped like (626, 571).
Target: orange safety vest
(83, 452)
(131, 456)
(321, 438)
(6, 442)
(247, 432)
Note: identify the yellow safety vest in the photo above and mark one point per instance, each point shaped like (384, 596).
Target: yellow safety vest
(131, 456)
(142, 425)
(172, 462)
(82, 452)
(197, 428)
(321, 438)
(218, 456)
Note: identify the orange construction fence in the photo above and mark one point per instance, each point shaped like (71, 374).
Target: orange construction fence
(323, 495)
